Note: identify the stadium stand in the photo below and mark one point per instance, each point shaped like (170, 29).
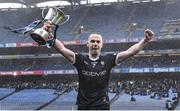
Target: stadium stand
(53, 90)
(34, 99)
(45, 94)
(143, 93)
(4, 92)
(60, 64)
(65, 102)
(112, 21)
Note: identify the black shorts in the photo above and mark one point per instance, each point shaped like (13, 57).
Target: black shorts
(101, 107)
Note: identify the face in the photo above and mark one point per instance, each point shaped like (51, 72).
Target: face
(47, 26)
(95, 44)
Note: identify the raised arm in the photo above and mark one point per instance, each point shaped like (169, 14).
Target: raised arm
(58, 45)
(121, 56)
(68, 54)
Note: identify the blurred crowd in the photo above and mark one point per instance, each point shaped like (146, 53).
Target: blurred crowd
(156, 88)
(36, 82)
(152, 61)
(62, 64)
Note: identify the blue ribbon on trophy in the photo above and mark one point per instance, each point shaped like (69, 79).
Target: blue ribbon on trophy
(39, 35)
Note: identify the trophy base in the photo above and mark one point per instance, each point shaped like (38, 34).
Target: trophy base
(38, 38)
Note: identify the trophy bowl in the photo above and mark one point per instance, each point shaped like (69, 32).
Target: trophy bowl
(40, 36)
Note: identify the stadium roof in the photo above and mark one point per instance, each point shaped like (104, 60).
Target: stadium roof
(29, 2)
(34, 3)
(40, 1)
(25, 2)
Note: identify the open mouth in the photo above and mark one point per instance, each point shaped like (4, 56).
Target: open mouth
(95, 48)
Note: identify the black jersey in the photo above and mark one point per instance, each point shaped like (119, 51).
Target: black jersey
(93, 79)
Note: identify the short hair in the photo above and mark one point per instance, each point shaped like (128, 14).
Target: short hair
(98, 34)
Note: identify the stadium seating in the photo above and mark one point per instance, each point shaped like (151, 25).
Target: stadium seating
(115, 22)
(64, 102)
(112, 21)
(141, 103)
(5, 91)
(33, 97)
(58, 64)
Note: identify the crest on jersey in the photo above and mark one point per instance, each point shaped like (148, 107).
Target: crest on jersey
(102, 63)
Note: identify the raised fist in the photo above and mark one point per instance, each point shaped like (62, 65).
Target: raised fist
(148, 34)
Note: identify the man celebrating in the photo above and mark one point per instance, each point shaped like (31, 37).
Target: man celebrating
(94, 69)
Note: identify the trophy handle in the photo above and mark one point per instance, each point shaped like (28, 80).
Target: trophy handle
(42, 13)
(67, 19)
(44, 8)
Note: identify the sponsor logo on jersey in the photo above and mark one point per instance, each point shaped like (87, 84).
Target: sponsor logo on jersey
(87, 73)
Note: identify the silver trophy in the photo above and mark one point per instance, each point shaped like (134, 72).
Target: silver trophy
(56, 17)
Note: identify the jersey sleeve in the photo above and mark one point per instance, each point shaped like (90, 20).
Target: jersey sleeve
(78, 60)
(111, 59)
